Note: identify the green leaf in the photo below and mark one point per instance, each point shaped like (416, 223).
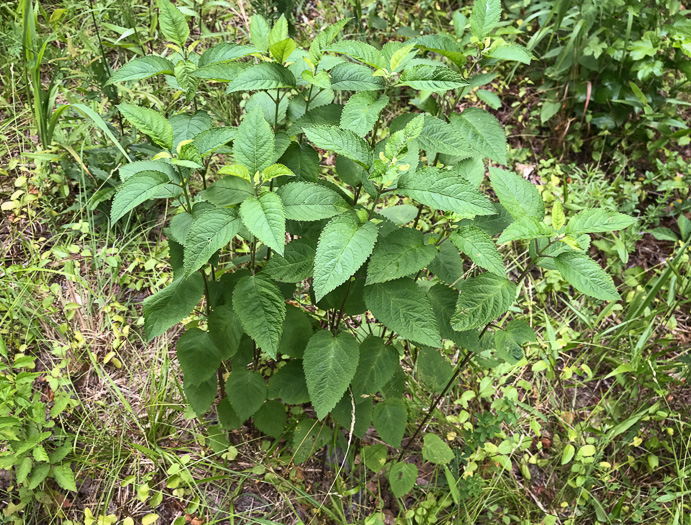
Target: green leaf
(344, 245)
(525, 228)
(209, 232)
(267, 75)
(261, 308)
(289, 384)
(173, 23)
(374, 456)
(362, 111)
(482, 299)
(343, 414)
(354, 77)
(597, 220)
(402, 477)
(329, 363)
(360, 51)
(306, 201)
(282, 50)
(514, 52)
(165, 309)
(247, 392)
(303, 160)
(390, 419)
(480, 247)
(517, 195)
(377, 365)
(437, 79)
(447, 265)
(150, 123)
(271, 419)
(324, 39)
(265, 218)
(341, 141)
(568, 453)
(444, 190)
(141, 68)
(403, 307)
(490, 98)
(433, 370)
(38, 474)
(309, 436)
(198, 356)
(482, 132)
(441, 137)
(225, 330)
(400, 253)
(509, 342)
(297, 331)
(64, 477)
(279, 31)
(137, 189)
(558, 217)
(443, 45)
(259, 32)
(254, 142)
(296, 264)
(187, 127)
(485, 17)
(225, 52)
(586, 276)
(435, 450)
(228, 191)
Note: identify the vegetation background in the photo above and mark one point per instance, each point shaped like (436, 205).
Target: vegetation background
(591, 425)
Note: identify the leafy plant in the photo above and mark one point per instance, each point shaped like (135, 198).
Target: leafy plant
(316, 280)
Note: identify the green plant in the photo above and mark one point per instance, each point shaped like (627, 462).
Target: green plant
(319, 285)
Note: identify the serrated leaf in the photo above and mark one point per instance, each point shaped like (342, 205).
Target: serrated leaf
(141, 68)
(402, 477)
(271, 419)
(509, 342)
(137, 189)
(228, 191)
(306, 201)
(225, 52)
(309, 436)
(64, 477)
(558, 217)
(188, 127)
(265, 218)
(267, 75)
(444, 190)
(330, 364)
(586, 276)
(38, 474)
(597, 220)
(374, 456)
(482, 132)
(297, 331)
(344, 412)
(259, 304)
(341, 141)
(435, 450)
(282, 50)
(490, 98)
(525, 228)
(210, 140)
(209, 232)
(441, 137)
(247, 392)
(289, 384)
(514, 52)
(173, 23)
(259, 32)
(198, 356)
(517, 195)
(166, 308)
(484, 17)
(225, 330)
(403, 307)
(303, 160)
(279, 31)
(390, 419)
(437, 79)
(482, 300)
(150, 123)
(324, 39)
(443, 45)
(254, 142)
(362, 111)
(354, 77)
(344, 245)
(400, 253)
(296, 264)
(377, 365)
(433, 370)
(480, 247)
(360, 51)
